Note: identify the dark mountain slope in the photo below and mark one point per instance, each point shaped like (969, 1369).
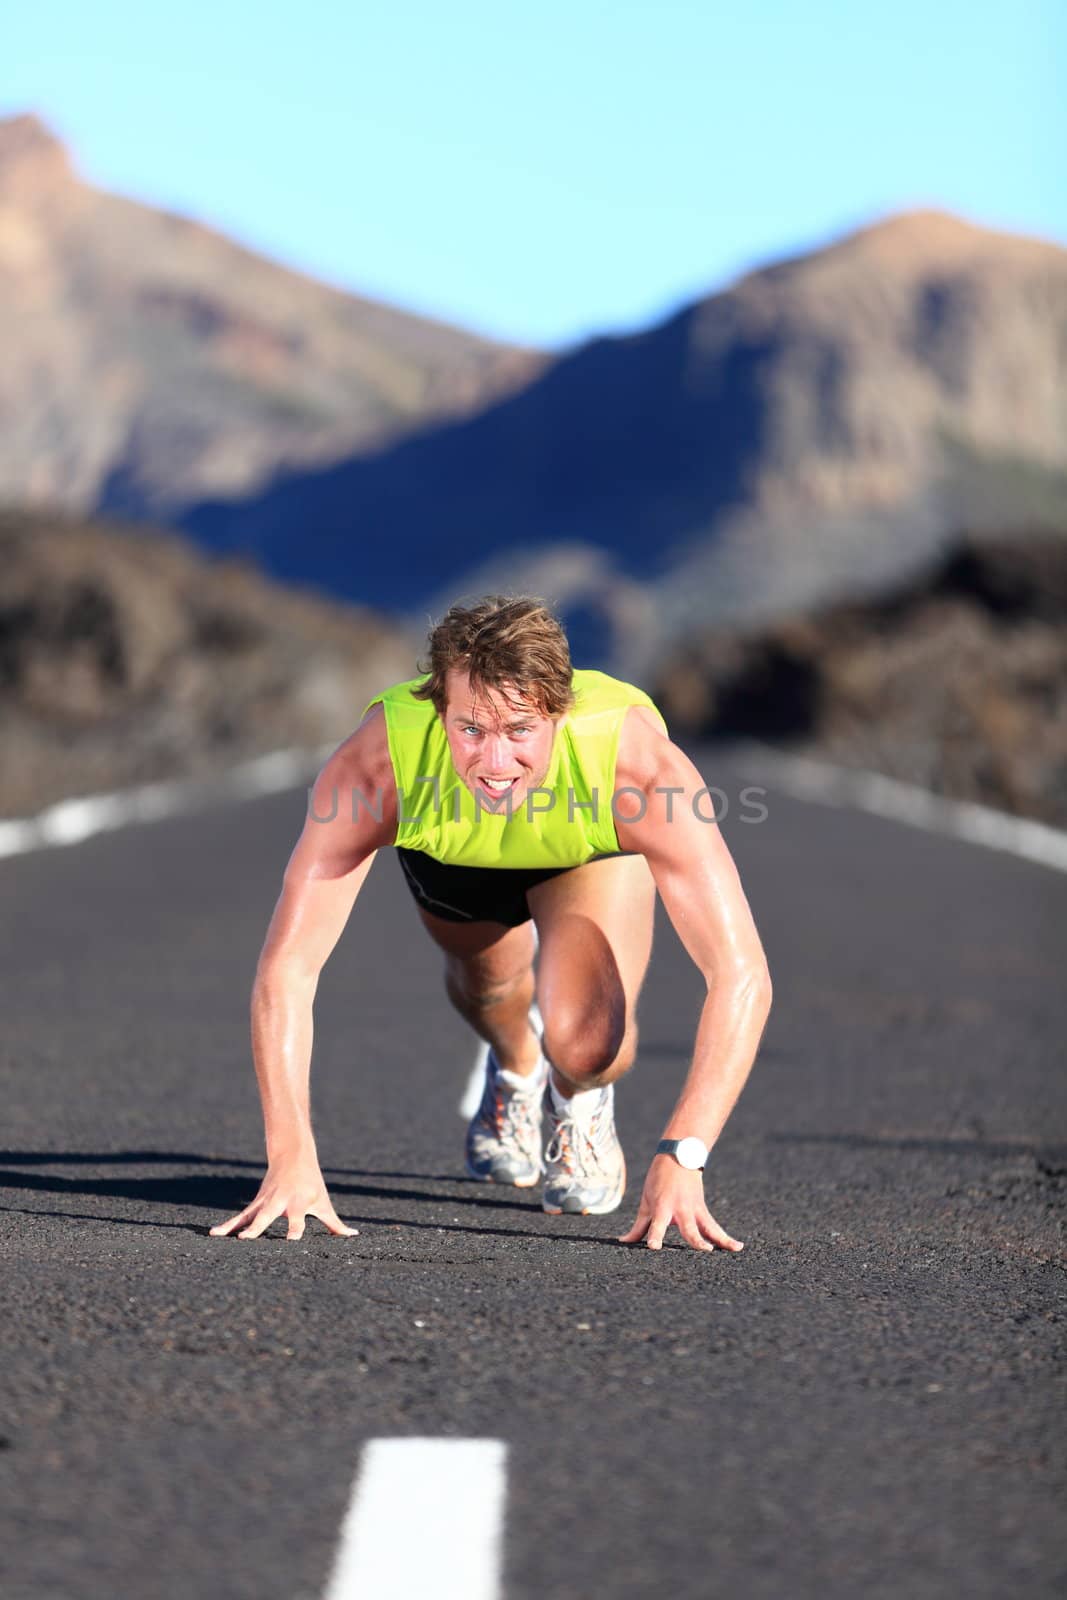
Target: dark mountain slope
(822, 428)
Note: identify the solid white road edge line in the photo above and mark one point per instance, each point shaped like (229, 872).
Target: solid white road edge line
(71, 821)
(426, 1518)
(805, 778)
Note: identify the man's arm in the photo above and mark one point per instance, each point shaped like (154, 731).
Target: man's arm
(324, 875)
(700, 888)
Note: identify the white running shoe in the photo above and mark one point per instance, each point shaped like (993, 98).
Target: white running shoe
(586, 1169)
(504, 1135)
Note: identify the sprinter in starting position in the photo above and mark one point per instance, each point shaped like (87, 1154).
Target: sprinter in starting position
(515, 788)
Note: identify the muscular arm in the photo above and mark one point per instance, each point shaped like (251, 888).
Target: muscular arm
(701, 890)
(322, 879)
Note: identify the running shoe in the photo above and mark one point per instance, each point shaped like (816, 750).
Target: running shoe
(586, 1169)
(504, 1135)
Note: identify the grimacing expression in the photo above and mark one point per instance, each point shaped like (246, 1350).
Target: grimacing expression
(501, 750)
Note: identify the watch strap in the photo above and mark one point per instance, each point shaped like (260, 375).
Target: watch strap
(669, 1147)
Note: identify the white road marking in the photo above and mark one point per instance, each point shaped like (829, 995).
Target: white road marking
(809, 779)
(71, 821)
(426, 1519)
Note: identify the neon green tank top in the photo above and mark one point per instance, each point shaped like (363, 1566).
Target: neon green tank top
(566, 821)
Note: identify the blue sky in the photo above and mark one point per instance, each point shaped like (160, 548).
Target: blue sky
(543, 172)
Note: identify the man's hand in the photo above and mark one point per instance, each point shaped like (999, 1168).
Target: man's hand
(671, 1194)
(290, 1189)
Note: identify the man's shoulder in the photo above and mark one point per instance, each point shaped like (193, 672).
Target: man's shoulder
(597, 692)
(362, 761)
(402, 694)
(596, 688)
(645, 750)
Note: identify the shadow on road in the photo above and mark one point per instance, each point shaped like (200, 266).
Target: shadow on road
(222, 1194)
(548, 1233)
(177, 1158)
(216, 1192)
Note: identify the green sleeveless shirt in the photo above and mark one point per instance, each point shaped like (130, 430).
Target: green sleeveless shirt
(563, 823)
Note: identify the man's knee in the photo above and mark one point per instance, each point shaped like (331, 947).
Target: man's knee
(590, 1051)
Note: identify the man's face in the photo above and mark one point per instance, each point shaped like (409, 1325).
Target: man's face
(491, 739)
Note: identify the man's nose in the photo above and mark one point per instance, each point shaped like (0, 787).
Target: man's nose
(497, 752)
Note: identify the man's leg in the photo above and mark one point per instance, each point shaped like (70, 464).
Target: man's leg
(489, 979)
(595, 926)
(595, 929)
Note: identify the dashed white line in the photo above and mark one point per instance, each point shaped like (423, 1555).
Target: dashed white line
(808, 779)
(426, 1519)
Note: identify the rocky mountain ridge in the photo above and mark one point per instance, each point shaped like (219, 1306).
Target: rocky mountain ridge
(150, 362)
(820, 429)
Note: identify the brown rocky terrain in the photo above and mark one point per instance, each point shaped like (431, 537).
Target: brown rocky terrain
(149, 362)
(957, 683)
(126, 656)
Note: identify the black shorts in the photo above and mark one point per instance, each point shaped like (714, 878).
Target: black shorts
(474, 894)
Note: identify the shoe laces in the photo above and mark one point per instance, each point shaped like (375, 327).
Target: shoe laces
(511, 1111)
(576, 1144)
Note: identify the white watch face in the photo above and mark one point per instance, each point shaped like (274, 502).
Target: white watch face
(692, 1153)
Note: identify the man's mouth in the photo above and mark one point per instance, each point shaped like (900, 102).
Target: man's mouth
(498, 786)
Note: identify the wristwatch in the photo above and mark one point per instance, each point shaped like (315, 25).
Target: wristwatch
(691, 1153)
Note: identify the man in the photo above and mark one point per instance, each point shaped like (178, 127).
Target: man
(515, 788)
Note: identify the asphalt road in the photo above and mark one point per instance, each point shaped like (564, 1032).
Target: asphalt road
(866, 1401)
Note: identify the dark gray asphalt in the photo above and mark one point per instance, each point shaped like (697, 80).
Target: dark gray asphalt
(867, 1401)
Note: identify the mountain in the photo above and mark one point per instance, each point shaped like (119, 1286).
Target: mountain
(127, 657)
(818, 430)
(821, 428)
(150, 362)
(956, 681)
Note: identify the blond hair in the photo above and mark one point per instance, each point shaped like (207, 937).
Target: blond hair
(503, 641)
